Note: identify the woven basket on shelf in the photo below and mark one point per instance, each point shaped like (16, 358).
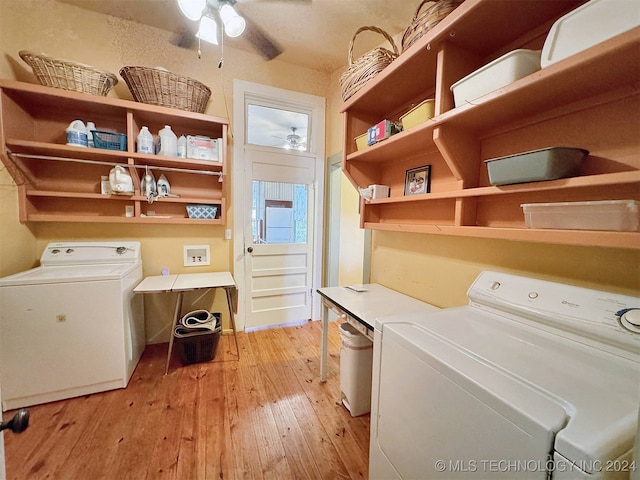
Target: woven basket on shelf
(157, 86)
(435, 12)
(367, 66)
(67, 75)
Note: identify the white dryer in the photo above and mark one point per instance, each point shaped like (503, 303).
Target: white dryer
(73, 325)
(532, 379)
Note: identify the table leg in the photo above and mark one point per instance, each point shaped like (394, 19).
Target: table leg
(325, 338)
(176, 316)
(232, 318)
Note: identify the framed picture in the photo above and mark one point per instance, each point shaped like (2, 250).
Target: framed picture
(417, 180)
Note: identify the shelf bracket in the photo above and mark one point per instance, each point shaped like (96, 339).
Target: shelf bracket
(461, 152)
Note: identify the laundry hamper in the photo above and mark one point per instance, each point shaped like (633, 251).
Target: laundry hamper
(356, 366)
(434, 13)
(367, 66)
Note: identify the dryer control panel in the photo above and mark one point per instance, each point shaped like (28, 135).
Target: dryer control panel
(581, 311)
(90, 253)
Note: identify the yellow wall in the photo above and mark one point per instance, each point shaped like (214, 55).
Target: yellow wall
(351, 235)
(438, 269)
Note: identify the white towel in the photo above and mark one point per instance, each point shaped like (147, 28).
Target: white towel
(195, 323)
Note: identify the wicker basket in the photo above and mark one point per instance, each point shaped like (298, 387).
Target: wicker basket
(435, 12)
(367, 66)
(157, 86)
(67, 75)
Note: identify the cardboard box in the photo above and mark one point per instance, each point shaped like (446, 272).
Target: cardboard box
(382, 131)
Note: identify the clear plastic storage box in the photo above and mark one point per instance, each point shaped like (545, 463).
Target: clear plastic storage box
(618, 215)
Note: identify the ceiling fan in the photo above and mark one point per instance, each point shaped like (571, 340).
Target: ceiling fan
(294, 141)
(213, 13)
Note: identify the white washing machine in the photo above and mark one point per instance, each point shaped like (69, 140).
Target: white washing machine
(72, 326)
(532, 379)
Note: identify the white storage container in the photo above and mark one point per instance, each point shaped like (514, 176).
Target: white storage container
(356, 366)
(590, 24)
(202, 148)
(497, 74)
(618, 215)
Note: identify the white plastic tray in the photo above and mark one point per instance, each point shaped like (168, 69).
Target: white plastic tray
(497, 74)
(590, 24)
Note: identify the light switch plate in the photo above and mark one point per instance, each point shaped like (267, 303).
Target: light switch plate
(196, 255)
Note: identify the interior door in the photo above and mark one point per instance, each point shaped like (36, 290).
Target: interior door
(279, 251)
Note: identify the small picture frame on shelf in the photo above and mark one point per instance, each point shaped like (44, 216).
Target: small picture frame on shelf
(417, 180)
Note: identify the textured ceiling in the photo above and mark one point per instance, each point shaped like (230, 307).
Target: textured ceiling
(311, 33)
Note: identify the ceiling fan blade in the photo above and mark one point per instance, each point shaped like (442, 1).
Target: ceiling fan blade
(261, 41)
(184, 38)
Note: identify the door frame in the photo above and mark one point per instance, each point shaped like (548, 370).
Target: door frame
(241, 90)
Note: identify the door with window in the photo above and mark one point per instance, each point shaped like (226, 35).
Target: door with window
(280, 208)
(279, 257)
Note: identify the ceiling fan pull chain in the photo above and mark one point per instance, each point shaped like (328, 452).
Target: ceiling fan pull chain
(221, 48)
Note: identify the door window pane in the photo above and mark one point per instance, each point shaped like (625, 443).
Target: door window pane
(272, 127)
(279, 212)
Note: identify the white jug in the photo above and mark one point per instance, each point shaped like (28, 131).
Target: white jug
(120, 180)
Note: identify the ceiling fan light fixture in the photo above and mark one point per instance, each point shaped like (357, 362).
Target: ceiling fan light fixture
(234, 24)
(208, 30)
(192, 9)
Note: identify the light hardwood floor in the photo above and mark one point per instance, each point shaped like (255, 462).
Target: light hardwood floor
(266, 416)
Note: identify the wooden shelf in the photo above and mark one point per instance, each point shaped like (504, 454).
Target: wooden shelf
(59, 182)
(565, 237)
(590, 100)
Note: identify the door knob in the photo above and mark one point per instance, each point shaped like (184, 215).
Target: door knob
(250, 249)
(18, 423)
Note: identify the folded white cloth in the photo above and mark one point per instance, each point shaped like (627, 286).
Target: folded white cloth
(194, 323)
(197, 318)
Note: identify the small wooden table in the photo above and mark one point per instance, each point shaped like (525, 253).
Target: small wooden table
(185, 282)
(361, 305)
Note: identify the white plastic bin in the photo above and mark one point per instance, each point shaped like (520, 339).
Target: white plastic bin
(356, 360)
(497, 74)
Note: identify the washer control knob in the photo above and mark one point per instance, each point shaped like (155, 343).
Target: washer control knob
(121, 250)
(69, 250)
(630, 319)
(533, 295)
(55, 251)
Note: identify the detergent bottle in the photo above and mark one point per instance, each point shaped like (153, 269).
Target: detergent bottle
(145, 141)
(77, 134)
(167, 142)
